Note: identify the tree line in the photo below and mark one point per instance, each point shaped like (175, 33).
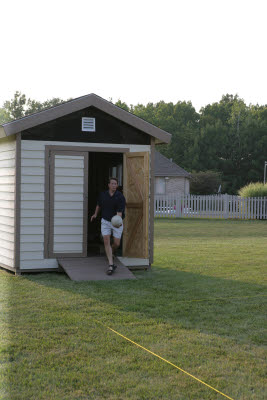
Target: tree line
(225, 141)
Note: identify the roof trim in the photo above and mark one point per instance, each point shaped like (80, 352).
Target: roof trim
(171, 174)
(80, 103)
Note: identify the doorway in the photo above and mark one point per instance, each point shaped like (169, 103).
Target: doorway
(101, 166)
(70, 172)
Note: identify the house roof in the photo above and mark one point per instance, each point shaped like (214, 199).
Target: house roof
(14, 127)
(165, 167)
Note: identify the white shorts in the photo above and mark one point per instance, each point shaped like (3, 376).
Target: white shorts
(107, 228)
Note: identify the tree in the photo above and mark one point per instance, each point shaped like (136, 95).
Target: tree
(35, 106)
(231, 140)
(15, 108)
(180, 119)
(227, 137)
(4, 116)
(20, 106)
(122, 105)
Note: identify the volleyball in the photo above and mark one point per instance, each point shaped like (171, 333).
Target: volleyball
(116, 221)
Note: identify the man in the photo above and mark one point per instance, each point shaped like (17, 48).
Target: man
(110, 202)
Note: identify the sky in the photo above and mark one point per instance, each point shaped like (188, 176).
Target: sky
(138, 51)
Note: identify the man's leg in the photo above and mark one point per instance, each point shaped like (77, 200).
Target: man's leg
(106, 233)
(117, 232)
(115, 245)
(108, 249)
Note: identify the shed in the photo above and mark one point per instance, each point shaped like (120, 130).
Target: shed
(54, 163)
(170, 177)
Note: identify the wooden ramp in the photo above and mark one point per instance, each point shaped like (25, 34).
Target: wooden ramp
(93, 269)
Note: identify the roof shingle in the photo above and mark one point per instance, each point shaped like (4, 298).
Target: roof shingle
(165, 167)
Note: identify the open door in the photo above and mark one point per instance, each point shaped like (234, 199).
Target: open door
(68, 198)
(136, 192)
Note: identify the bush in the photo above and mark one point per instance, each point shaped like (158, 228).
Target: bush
(205, 182)
(253, 190)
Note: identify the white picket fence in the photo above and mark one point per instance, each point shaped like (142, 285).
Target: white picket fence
(216, 206)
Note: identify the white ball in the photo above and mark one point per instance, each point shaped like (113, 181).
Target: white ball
(116, 221)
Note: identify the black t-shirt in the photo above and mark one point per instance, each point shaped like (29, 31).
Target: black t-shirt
(110, 205)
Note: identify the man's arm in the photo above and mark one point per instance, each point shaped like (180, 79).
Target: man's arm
(97, 209)
(121, 206)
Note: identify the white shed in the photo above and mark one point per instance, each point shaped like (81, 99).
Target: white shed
(53, 165)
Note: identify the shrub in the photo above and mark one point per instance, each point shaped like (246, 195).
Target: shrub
(253, 190)
(205, 182)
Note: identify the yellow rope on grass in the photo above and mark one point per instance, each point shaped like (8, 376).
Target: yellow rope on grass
(168, 362)
(163, 359)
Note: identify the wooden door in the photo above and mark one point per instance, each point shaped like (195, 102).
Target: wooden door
(136, 192)
(68, 198)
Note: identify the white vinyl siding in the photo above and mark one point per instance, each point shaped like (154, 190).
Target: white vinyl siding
(32, 208)
(68, 239)
(7, 200)
(33, 189)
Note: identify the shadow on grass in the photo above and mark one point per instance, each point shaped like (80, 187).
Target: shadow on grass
(191, 301)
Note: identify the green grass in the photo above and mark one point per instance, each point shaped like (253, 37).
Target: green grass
(201, 307)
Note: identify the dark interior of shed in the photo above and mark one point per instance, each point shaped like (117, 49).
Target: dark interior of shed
(101, 167)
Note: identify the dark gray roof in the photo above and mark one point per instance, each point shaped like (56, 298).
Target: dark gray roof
(165, 167)
(14, 127)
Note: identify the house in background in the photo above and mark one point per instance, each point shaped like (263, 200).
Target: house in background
(169, 177)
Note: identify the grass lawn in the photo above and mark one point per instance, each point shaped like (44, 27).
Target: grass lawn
(201, 307)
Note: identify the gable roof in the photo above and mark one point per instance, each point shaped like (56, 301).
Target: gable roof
(165, 167)
(14, 127)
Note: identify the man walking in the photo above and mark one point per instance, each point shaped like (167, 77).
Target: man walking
(110, 202)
